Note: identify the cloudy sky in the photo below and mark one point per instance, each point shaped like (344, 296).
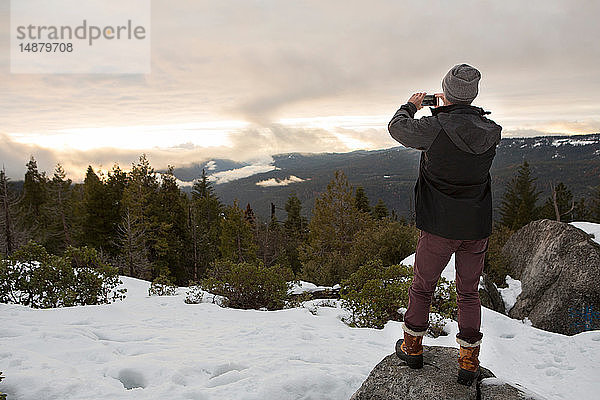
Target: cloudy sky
(245, 79)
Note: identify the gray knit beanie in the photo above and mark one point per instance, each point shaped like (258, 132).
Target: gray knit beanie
(460, 84)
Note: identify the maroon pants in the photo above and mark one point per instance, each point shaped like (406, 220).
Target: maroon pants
(432, 256)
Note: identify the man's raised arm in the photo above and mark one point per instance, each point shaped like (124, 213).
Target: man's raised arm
(415, 133)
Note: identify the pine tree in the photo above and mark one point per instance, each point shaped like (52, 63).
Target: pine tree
(11, 235)
(380, 210)
(249, 215)
(205, 223)
(237, 240)
(559, 206)
(270, 239)
(362, 201)
(335, 221)
(172, 245)
(115, 187)
(133, 256)
(582, 212)
(296, 232)
(296, 225)
(140, 199)
(518, 206)
(60, 212)
(32, 205)
(97, 230)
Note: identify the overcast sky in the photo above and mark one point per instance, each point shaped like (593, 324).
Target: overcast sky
(246, 79)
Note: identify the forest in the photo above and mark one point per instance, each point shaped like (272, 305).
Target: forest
(141, 222)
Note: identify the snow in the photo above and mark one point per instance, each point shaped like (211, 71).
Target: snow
(159, 347)
(574, 142)
(302, 286)
(510, 294)
(589, 227)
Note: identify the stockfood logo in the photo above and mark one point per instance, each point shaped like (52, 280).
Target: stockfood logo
(75, 36)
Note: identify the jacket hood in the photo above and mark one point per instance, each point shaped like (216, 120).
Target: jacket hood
(468, 128)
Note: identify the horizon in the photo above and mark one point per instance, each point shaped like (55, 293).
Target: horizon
(252, 167)
(246, 80)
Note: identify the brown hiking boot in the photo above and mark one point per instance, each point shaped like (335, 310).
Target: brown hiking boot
(468, 362)
(410, 349)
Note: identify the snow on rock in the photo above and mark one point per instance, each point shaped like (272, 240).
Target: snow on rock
(299, 287)
(589, 227)
(161, 348)
(510, 294)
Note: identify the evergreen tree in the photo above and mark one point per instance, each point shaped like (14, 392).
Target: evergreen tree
(582, 212)
(249, 215)
(11, 235)
(361, 200)
(335, 221)
(97, 230)
(60, 212)
(559, 205)
(270, 239)
(296, 232)
(380, 210)
(133, 256)
(115, 187)
(172, 245)
(237, 240)
(296, 225)
(518, 206)
(205, 223)
(140, 199)
(32, 205)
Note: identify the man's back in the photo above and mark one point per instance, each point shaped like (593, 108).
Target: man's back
(453, 192)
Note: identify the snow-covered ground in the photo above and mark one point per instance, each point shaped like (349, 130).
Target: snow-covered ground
(161, 348)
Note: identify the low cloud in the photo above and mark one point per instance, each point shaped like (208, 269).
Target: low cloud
(280, 182)
(239, 173)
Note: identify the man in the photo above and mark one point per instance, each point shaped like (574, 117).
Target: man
(453, 209)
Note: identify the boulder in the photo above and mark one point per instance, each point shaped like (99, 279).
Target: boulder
(490, 296)
(559, 269)
(392, 379)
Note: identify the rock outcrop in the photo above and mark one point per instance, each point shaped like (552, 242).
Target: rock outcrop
(392, 379)
(490, 296)
(559, 269)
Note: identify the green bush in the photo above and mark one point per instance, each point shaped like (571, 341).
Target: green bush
(162, 285)
(34, 278)
(248, 285)
(390, 241)
(374, 293)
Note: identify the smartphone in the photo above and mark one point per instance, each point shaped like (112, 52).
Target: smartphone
(429, 100)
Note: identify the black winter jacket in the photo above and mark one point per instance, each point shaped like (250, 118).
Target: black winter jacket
(453, 191)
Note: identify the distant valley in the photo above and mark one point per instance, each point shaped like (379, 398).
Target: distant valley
(390, 174)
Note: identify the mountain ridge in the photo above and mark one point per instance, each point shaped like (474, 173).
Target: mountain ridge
(390, 173)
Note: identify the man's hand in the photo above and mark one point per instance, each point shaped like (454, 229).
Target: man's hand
(441, 100)
(416, 99)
